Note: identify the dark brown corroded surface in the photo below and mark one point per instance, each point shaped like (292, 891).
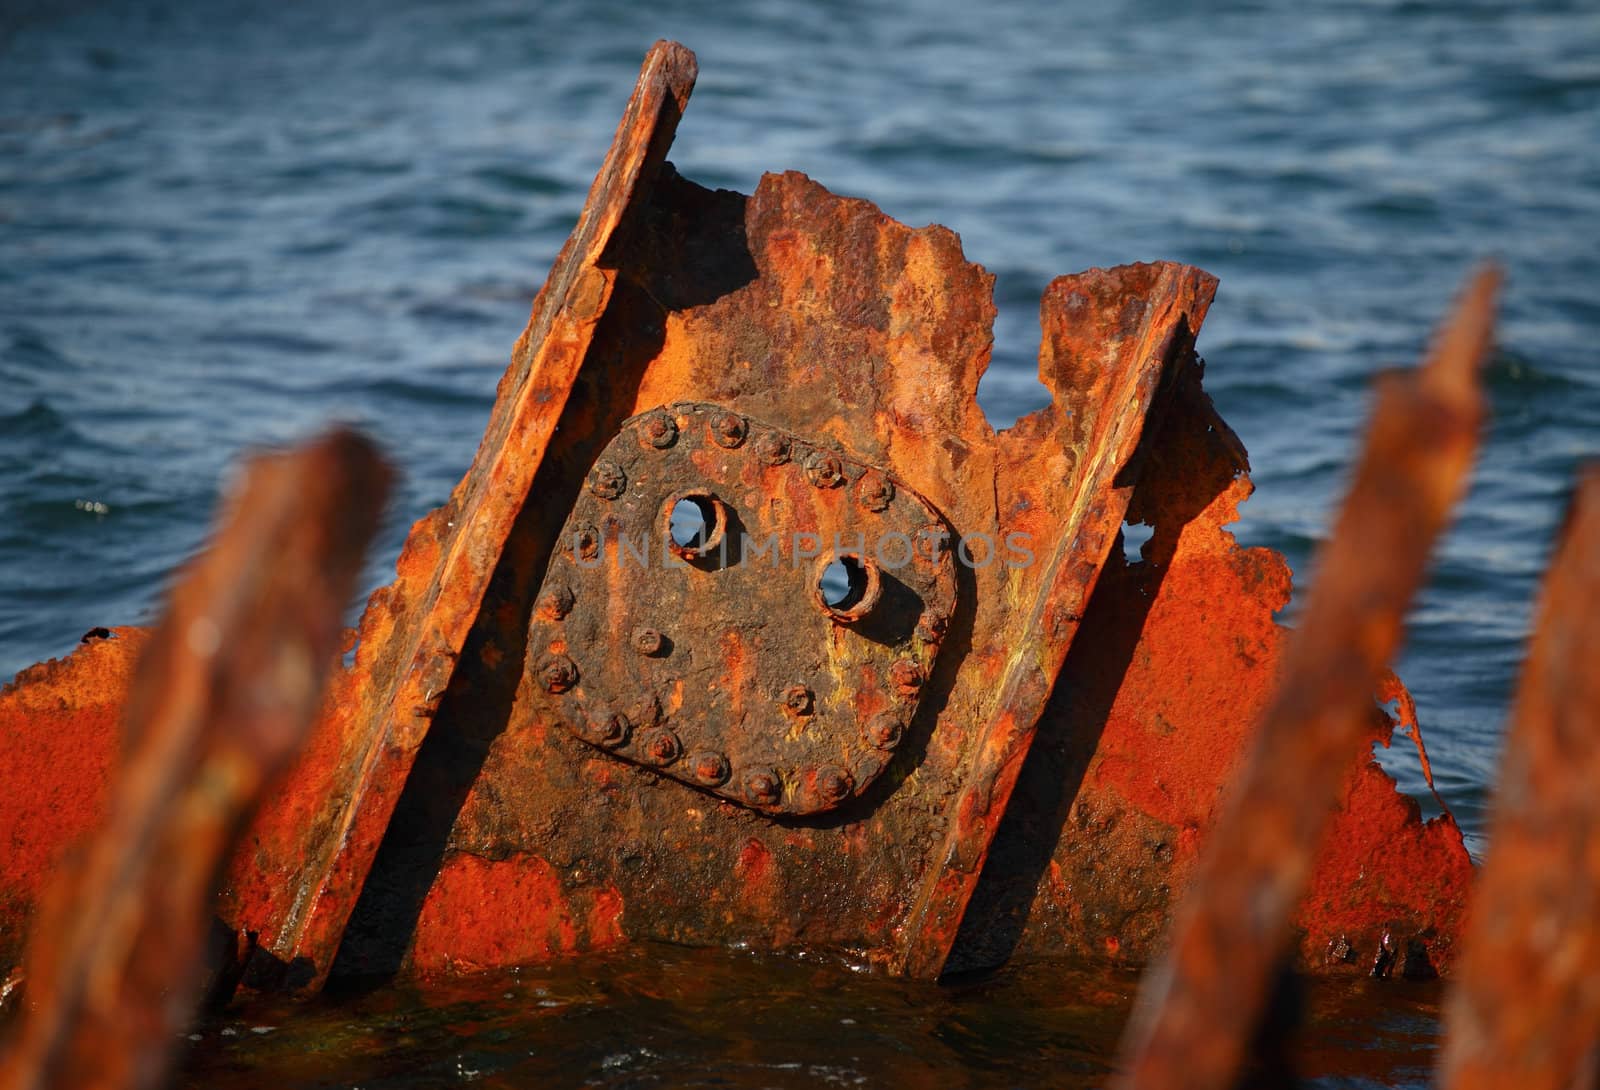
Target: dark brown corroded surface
(1199, 1005)
(225, 689)
(1525, 1009)
(737, 674)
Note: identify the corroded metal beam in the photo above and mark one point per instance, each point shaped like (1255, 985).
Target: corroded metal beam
(1525, 1010)
(413, 631)
(1199, 1006)
(225, 690)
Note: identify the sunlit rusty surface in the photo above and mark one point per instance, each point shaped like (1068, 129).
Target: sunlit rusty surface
(59, 728)
(1525, 1010)
(820, 316)
(1153, 715)
(225, 688)
(1198, 1007)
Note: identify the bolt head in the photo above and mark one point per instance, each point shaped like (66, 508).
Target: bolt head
(648, 641)
(797, 699)
(660, 746)
(607, 730)
(875, 492)
(607, 480)
(728, 429)
(932, 627)
(658, 430)
(823, 470)
(906, 676)
(557, 673)
(883, 731)
(834, 783)
(586, 541)
(557, 602)
(772, 448)
(709, 767)
(762, 787)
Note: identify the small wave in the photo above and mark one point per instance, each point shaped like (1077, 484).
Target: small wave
(273, 340)
(514, 180)
(38, 420)
(1509, 371)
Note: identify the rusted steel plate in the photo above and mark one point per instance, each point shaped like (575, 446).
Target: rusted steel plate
(59, 728)
(1524, 1011)
(225, 689)
(310, 859)
(1153, 715)
(1199, 1006)
(724, 660)
(821, 317)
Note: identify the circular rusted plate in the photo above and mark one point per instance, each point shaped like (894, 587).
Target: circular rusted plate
(718, 660)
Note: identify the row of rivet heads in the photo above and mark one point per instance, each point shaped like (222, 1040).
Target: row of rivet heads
(659, 745)
(658, 430)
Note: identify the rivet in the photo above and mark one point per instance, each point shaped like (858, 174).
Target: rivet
(609, 730)
(932, 627)
(883, 731)
(761, 787)
(834, 783)
(557, 673)
(587, 539)
(875, 492)
(709, 767)
(647, 641)
(772, 448)
(823, 469)
(557, 602)
(607, 480)
(660, 746)
(930, 541)
(728, 429)
(907, 676)
(797, 698)
(658, 430)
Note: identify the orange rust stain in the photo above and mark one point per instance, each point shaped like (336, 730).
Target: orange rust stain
(483, 914)
(60, 728)
(754, 862)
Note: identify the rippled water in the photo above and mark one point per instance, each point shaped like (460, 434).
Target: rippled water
(224, 224)
(656, 1016)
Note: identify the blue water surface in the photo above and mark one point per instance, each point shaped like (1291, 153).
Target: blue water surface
(226, 224)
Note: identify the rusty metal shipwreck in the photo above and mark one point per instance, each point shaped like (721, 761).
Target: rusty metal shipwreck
(539, 751)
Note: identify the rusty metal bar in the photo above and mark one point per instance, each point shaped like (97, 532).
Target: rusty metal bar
(417, 630)
(1199, 1006)
(224, 693)
(1525, 1011)
(1111, 379)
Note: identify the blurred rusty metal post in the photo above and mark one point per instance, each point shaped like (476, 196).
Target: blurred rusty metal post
(1199, 1006)
(223, 696)
(1525, 1009)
